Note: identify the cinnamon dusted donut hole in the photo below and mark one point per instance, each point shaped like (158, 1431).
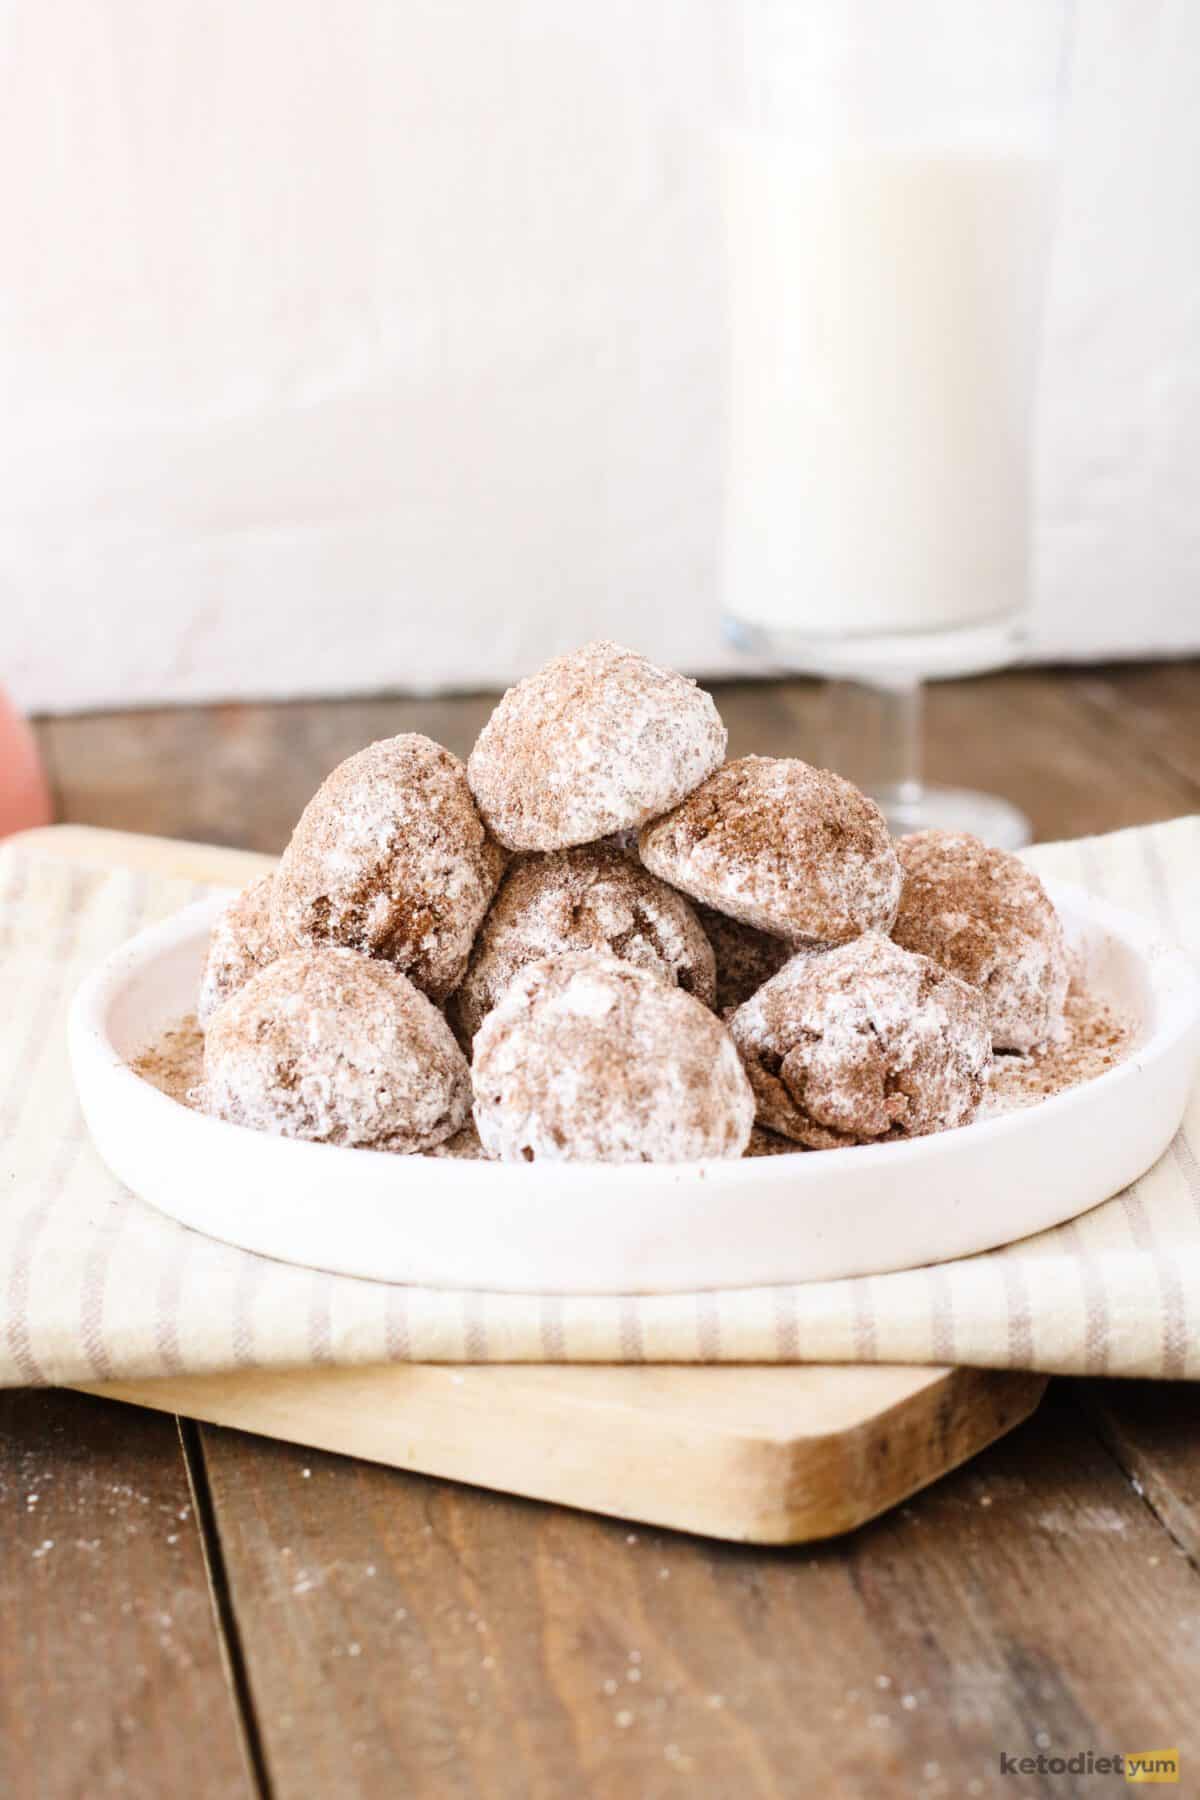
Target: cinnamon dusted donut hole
(390, 857)
(984, 916)
(587, 1059)
(592, 898)
(863, 1042)
(338, 1048)
(792, 850)
(238, 947)
(745, 957)
(594, 742)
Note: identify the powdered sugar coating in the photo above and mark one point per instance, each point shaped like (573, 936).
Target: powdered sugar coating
(390, 857)
(792, 850)
(587, 1059)
(591, 898)
(338, 1048)
(238, 946)
(745, 957)
(594, 742)
(983, 915)
(863, 1042)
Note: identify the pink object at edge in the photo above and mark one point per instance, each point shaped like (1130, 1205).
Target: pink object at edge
(24, 791)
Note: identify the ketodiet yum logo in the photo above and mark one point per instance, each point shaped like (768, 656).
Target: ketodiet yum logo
(1137, 1766)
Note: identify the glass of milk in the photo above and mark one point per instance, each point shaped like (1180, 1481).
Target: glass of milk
(888, 178)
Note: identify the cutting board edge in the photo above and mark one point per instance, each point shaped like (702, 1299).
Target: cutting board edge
(742, 1487)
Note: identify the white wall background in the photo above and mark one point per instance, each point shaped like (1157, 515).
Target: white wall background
(379, 344)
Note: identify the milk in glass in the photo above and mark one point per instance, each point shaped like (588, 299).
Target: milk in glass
(883, 310)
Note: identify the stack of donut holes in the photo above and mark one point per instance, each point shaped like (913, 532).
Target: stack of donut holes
(599, 941)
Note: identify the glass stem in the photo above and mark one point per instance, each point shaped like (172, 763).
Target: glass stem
(874, 738)
(902, 706)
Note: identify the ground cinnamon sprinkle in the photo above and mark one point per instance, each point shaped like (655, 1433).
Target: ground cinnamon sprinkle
(174, 1062)
(1093, 1039)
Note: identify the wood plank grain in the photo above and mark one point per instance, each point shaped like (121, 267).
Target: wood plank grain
(1156, 703)
(235, 774)
(1151, 1429)
(463, 1643)
(112, 1678)
(1080, 752)
(1030, 736)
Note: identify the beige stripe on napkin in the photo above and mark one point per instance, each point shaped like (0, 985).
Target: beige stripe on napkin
(96, 1286)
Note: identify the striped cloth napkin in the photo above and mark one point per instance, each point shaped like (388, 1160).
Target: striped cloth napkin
(96, 1286)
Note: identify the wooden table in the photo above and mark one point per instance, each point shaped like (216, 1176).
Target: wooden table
(195, 1612)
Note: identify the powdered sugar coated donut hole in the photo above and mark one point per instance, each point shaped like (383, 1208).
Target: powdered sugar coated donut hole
(391, 858)
(587, 1059)
(238, 946)
(983, 915)
(864, 1042)
(793, 850)
(338, 1048)
(592, 898)
(594, 742)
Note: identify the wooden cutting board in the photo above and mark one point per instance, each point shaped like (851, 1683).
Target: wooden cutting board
(773, 1455)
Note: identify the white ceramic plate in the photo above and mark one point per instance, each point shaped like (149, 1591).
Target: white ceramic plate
(650, 1228)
